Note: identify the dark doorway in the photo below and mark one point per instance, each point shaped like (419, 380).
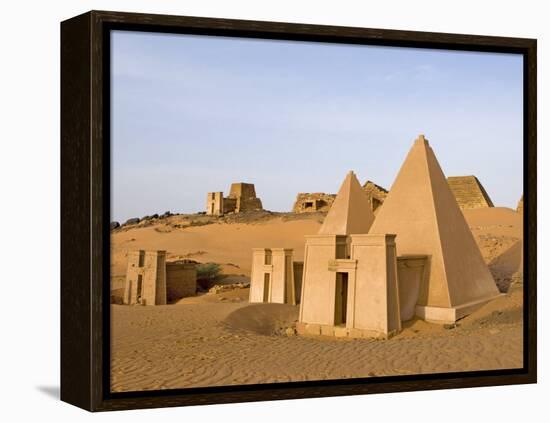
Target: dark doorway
(139, 287)
(341, 299)
(266, 287)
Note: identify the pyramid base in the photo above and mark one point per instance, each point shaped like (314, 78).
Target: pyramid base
(341, 331)
(449, 315)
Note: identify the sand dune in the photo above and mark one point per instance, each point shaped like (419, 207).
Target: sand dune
(495, 229)
(219, 243)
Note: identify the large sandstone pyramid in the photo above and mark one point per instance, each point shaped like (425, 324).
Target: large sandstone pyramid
(422, 211)
(351, 212)
(469, 193)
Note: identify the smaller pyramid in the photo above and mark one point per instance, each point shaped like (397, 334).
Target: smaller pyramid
(351, 212)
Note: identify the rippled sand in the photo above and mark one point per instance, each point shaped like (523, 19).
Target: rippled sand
(222, 343)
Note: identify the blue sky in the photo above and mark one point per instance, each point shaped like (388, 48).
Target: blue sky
(192, 114)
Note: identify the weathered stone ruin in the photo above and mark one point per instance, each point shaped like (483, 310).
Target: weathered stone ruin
(275, 277)
(468, 192)
(363, 275)
(376, 194)
(319, 201)
(150, 280)
(312, 202)
(242, 198)
(145, 278)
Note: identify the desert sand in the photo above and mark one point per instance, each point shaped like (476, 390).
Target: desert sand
(221, 339)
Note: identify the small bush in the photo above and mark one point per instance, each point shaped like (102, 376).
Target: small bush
(208, 274)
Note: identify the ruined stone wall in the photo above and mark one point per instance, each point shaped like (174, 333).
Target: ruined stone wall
(376, 194)
(307, 202)
(311, 202)
(468, 192)
(229, 205)
(181, 280)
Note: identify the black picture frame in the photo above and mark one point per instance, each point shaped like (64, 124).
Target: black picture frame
(85, 205)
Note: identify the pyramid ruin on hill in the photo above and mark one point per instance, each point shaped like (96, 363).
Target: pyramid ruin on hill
(242, 198)
(468, 192)
(422, 211)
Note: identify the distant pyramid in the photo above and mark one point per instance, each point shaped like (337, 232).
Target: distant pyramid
(519, 209)
(469, 193)
(422, 211)
(351, 212)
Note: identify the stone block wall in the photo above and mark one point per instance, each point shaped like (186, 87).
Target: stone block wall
(181, 280)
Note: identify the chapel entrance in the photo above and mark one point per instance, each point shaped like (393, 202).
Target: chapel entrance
(341, 299)
(266, 287)
(139, 288)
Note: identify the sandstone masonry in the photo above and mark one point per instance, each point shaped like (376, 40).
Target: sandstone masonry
(242, 198)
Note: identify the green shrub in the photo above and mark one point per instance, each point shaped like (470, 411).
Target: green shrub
(208, 274)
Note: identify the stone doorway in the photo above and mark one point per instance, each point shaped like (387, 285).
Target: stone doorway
(266, 287)
(341, 299)
(139, 288)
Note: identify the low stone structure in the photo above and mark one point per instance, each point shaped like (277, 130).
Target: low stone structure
(242, 198)
(312, 202)
(152, 281)
(275, 276)
(146, 278)
(468, 192)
